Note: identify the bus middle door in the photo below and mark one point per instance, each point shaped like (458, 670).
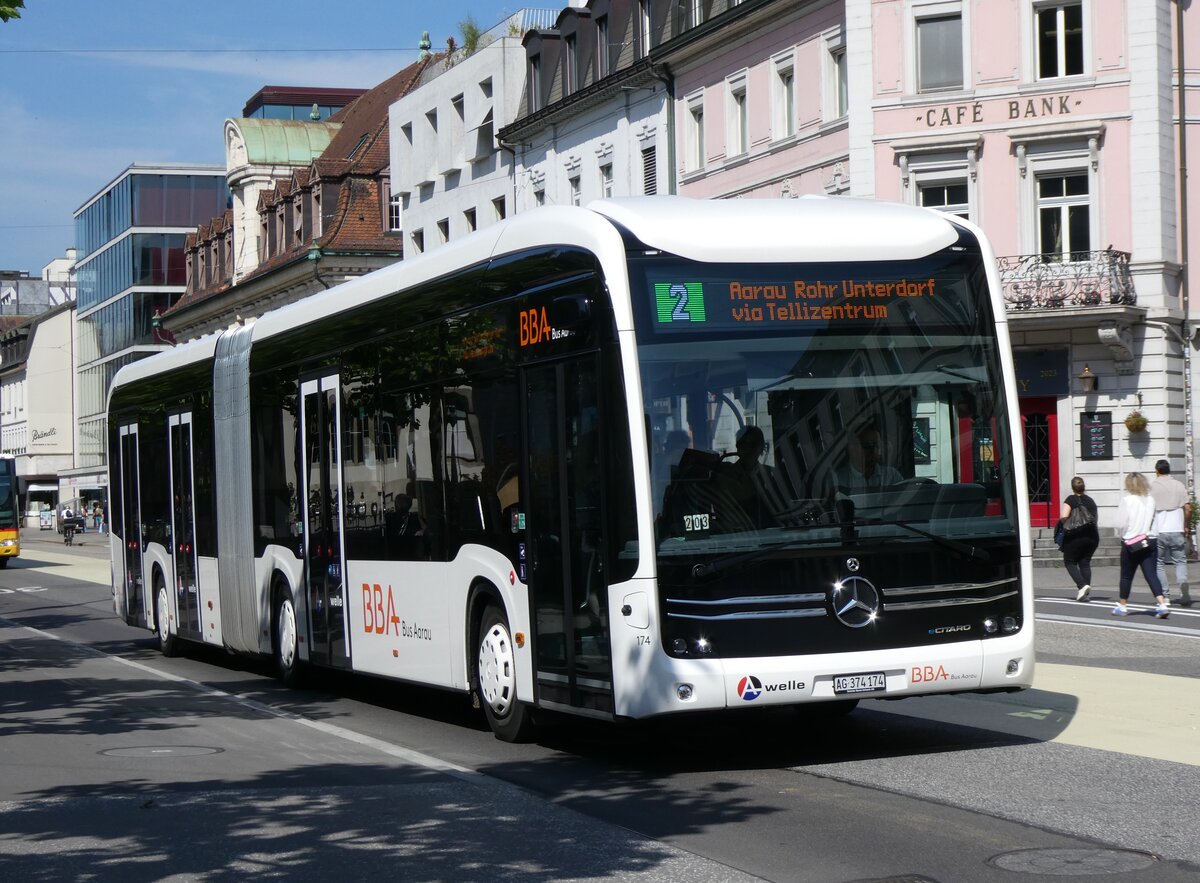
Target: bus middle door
(183, 525)
(324, 563)
(564, 541)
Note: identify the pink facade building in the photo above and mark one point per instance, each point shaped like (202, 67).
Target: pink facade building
(1052, 125)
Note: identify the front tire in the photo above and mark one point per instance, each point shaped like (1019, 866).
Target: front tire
(496, 680)
(287, 643)
(167, 642)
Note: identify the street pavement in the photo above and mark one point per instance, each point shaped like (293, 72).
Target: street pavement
(421, 812)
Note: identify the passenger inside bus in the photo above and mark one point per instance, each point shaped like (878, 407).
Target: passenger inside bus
(749, 483)
(865, 469)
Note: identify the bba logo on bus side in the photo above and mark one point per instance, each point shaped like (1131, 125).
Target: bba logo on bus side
(750, 687)
(379, 616)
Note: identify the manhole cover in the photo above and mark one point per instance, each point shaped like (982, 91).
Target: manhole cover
(162, 751)
(1073, 862)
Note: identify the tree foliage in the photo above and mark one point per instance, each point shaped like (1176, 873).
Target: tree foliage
(11, 9)
(472, 33)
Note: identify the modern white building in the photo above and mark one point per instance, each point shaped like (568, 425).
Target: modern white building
(449, 175)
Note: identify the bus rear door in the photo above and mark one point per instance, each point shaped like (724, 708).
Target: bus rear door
(564, 542)
(131, 527)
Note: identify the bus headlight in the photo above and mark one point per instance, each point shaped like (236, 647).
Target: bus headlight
(1009, 623)
(990, 626)
(8, 543)
(684, 692)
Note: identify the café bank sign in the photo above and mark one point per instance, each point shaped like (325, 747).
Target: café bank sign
(1004, 110)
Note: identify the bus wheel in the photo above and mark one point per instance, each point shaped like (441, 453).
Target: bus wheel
(510, 720)
(287, 649)
(167, 642)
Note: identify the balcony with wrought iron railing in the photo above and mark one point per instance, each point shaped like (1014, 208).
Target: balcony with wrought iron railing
(1088, 279)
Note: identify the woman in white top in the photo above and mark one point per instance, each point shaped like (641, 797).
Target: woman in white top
(1138, 549)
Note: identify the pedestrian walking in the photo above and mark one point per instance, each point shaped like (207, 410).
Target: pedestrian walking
(1172, 514)
(1135, 518)
(1081, 536)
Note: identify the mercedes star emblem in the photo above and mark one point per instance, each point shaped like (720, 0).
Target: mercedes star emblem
(855, 601)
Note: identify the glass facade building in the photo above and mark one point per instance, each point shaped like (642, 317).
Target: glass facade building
(130, 238)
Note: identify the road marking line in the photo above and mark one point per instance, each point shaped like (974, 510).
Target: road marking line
(408, 755)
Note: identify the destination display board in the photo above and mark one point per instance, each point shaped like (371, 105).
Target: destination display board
(690, 305)
(1095, 435)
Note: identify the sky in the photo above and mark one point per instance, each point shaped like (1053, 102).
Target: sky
(88, 88)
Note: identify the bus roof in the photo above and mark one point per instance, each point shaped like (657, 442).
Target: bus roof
(808, 229)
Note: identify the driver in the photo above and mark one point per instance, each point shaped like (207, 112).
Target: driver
(864, 472)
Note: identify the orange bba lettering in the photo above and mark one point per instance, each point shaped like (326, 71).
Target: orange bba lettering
(379, 616)
(534, 326)
(929, 673)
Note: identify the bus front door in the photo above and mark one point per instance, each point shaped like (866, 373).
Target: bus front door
(131, 527)
(564, 542)
(320, 417)
(183, 526)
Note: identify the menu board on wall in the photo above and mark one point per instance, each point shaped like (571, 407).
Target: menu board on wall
(1095, 435)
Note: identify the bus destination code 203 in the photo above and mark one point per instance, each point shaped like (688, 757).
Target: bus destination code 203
(683, 306)
(871, 682)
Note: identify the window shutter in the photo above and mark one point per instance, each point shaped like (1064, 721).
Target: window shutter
(649, 171)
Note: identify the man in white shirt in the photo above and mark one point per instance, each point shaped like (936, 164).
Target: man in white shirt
(1172, 513)
(865, 471)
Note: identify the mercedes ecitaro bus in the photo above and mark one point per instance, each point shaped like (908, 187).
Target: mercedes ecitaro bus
(652, 456)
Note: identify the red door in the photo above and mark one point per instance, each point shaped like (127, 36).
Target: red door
(1039, 421)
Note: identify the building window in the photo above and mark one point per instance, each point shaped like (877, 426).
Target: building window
(498, 208)
(573, 186)
(443, 227)
(394, 213)
(839, 94)
(783, 98)
(539, 196)
(649, 171)
(1064, 216)
(694, 133)
(606, 180)
(951, 197)
(571, 73)
(643, 28)
(939, 52)
(1060, 41)
(697, 16)
(602, 61)
(418, 241)
(469, 220)
(535, 83)
(737, 119)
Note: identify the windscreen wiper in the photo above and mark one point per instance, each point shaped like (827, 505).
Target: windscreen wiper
(709, 568)
(954, 545)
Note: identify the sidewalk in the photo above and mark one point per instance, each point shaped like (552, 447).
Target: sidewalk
(44, 551)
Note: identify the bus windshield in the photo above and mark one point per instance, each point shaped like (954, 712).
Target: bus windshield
(8, 498)
(804, 404)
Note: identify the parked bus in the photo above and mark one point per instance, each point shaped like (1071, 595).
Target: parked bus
(10, 512)
(651, 456)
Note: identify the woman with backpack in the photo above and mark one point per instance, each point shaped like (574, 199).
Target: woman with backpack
(1080, 537)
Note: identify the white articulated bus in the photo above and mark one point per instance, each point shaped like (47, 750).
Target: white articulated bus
(651, 456)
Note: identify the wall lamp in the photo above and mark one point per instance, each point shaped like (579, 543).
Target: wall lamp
(1087, 380)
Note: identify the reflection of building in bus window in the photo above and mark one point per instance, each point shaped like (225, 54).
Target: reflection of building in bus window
(666, 464)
